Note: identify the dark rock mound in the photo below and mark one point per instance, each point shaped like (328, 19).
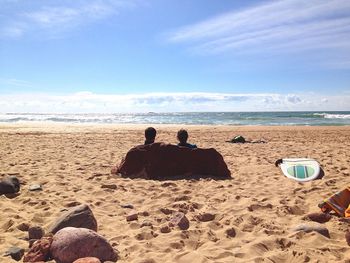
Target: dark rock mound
(161, 161)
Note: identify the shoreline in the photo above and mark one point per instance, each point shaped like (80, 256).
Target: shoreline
(43, 125)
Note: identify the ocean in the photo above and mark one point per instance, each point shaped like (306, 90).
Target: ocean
(197, 118)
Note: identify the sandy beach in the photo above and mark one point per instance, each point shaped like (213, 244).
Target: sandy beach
(254, 212)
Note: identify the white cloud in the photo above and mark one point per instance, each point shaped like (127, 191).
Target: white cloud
(55, 19)
(275, 27)
(87, 102)
(12, 82)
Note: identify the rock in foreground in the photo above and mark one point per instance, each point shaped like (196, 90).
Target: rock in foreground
(70, 244)
(79, 216)
(9, 185)
(15, 253)
(39, 251)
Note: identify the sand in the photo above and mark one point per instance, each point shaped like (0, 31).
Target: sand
(72, 162)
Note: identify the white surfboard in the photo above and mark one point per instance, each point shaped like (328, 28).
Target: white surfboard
(300, 169)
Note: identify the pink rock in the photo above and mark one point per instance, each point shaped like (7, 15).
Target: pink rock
(179, 219)
(39, 251)
(72, 243)
(87, 260)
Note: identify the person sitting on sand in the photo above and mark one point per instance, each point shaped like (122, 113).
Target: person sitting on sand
(182, 136)
(150, 135)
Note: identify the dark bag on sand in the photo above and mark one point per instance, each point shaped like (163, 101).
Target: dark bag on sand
(238, 139)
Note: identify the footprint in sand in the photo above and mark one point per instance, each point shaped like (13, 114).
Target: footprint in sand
(254, 207)
(146, 235)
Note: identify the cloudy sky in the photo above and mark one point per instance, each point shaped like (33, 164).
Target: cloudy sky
(167, 55)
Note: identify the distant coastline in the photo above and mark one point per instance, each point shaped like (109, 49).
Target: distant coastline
(302, 118)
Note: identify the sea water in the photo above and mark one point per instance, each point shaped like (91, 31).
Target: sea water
(197, 118)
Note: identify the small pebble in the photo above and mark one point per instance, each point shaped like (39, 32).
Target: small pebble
(318, 217)
(231, 232)
(179, 219)
(206, 217)
(132, 216)
(23, 227)
(35, 187)
(165, 229)
(35, 232)
(15, 253)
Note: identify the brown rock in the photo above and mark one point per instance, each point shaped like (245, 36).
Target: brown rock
(15, 253)
(166, 211)
(80, 216)
(70, 244)
(132, 216)
(35, 187)
(145, 213)
(205, 217)
(88, 260)
(347, 238)
(31, 242)
(35, 232)
(165, 229)
(40, 250)
(9, 185)
(23, 227)
(318, 217)
(179, 219)
(312, 227)
(231, 232)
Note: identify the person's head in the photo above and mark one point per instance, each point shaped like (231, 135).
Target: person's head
(150, 134)
(182, 136)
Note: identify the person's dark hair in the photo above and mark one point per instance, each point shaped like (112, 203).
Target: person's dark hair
(150, 134)
(182, 135)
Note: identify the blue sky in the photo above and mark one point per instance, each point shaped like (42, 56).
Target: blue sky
(162, 55)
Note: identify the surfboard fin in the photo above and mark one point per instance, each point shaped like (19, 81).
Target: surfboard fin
(278, 162)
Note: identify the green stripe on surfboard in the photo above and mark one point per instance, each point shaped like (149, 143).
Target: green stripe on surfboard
(301, 171)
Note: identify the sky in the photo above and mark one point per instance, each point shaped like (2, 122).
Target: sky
(168, 55)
